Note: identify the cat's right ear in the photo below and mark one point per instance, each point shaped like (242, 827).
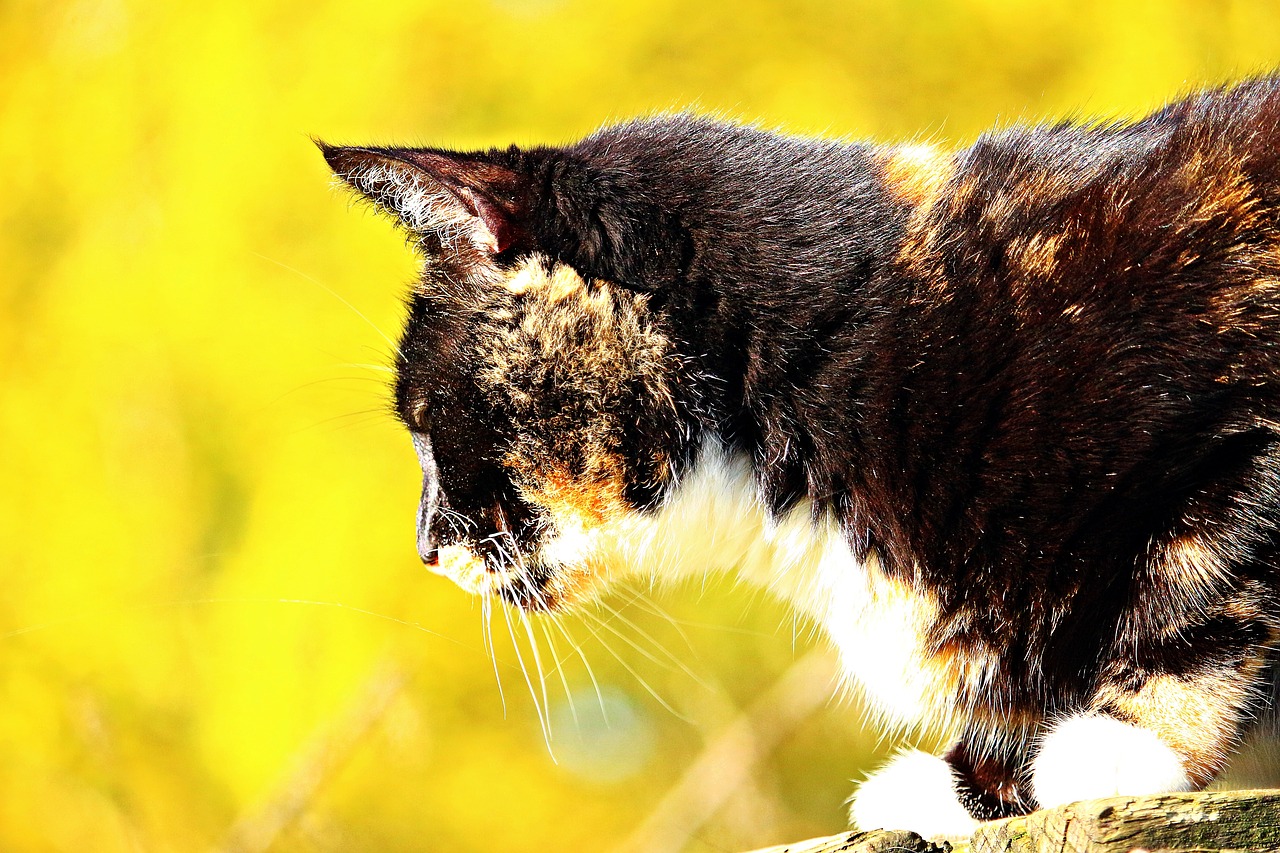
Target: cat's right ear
(456, 197)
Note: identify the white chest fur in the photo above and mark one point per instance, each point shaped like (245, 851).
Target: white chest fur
(715, 522)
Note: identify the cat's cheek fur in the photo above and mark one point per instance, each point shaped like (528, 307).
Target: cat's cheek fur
(915, 791)
(1088, 756)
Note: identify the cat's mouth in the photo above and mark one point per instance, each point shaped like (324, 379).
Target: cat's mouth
(534, 559)
(521, 580)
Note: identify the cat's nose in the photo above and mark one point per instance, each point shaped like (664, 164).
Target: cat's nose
(429, 503)
(427, 550)
(427, 544)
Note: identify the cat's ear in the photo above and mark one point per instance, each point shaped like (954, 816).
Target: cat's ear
(453, 196)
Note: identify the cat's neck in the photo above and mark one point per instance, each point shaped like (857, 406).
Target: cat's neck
(715, 521)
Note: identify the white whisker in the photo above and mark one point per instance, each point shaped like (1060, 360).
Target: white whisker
(639, 598)
(542, 722)
(559, 670)
(622, 661)
(680, 665)
(537, 664)
(577, 647)
(486, 618)
(395, 348)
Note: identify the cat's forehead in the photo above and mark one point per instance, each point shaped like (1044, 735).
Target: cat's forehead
(535, 311)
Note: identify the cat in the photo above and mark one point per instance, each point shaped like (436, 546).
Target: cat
(1004, 421)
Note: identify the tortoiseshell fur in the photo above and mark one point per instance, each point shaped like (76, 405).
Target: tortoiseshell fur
(1028, 392)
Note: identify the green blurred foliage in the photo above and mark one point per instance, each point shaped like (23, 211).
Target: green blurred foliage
(215, 633)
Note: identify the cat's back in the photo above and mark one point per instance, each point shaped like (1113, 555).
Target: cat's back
(1186, 186)
(1139, 250)
(1082, 317)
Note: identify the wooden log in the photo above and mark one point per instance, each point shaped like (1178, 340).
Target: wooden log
(1228, 820)
(877, 841)
(1222, 822)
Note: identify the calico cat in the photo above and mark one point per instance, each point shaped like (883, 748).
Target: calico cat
(1005, 421)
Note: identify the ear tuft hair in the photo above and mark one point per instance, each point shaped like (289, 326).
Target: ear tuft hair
(455, 197)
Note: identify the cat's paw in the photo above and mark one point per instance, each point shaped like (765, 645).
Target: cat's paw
(914, 791)
(1092, 755)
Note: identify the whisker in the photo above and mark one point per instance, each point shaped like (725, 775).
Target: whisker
(623, 663)
(537, 664)
(350, 419)
(639, 598)
(657, 645)
(577, 647)
(514, 557)
(455, 518)
(559, 670)
(486, 621)
(648, 655)
(701, 626)
(379, 368)
(366, 423)
(546, 733)
(330, 380)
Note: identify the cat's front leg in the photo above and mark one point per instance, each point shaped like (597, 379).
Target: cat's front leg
(1084, 756)
(940, 796)
(1091, 755)
(914, 791)
(1167, 713)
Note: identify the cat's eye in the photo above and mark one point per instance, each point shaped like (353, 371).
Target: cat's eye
(418, 417)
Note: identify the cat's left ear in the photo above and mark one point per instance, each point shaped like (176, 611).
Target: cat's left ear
(454, 196)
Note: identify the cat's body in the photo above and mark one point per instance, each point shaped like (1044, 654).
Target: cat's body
(1004, 421)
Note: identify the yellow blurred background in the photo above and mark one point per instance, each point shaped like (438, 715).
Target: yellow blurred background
(215, 633)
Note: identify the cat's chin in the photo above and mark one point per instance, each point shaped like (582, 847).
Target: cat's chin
(474, 574)
(531, 585)
(545, 590)
(521, 594)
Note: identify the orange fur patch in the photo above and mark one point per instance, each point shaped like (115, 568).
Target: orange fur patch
(1188, 570)
(1037, 255)
(915, 174)
(1197, 717)
(591, 499)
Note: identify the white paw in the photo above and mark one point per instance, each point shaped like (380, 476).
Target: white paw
(1093, 755)
(914, 791)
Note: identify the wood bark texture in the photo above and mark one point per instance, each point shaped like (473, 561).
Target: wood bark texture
(1224, 822)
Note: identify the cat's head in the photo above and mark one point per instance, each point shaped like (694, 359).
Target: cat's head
(539, 373)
